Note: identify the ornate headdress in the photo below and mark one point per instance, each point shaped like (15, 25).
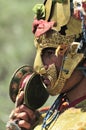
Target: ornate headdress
(56, 25)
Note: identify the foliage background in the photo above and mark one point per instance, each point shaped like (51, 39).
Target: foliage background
(16, 47)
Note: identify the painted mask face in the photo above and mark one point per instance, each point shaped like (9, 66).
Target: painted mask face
(53, 59)
(52, 64)
(55, 50)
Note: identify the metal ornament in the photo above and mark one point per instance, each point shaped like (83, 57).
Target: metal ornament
(25, 79)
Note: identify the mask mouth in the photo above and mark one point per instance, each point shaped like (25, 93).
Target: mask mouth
(49, 78)
(46, 82)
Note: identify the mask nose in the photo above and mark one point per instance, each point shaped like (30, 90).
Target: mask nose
(38, 64)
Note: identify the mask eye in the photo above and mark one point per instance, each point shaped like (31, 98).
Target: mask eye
(48, 51)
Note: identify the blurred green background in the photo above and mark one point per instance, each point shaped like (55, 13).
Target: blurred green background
(16, 46)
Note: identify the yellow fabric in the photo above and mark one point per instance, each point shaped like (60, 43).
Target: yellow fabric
(73, 26)
(48, 8)
(71, 119)
(60, 13)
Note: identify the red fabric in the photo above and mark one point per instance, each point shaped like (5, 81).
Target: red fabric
(77, 101)
(77, 14)
(66, 104)
(41, 26)
(84, 5)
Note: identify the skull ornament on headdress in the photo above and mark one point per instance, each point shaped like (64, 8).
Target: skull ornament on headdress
(58, 27)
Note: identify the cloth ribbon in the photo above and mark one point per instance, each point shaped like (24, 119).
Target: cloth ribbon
(41, 26)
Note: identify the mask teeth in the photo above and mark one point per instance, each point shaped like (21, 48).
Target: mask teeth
(50, 78)
(52, 74)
